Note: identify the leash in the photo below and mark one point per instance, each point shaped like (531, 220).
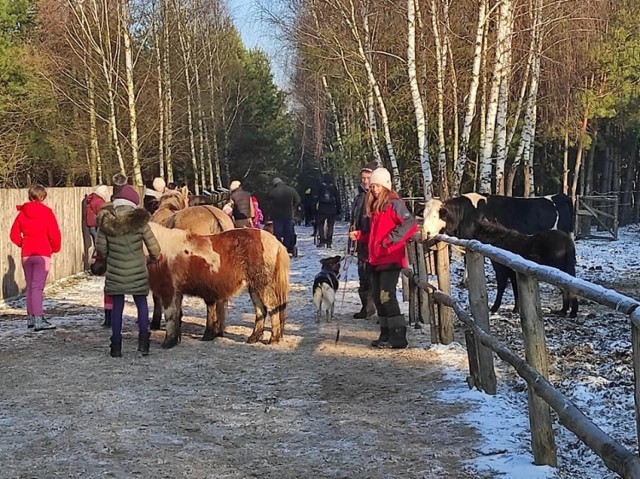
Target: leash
(345, 268)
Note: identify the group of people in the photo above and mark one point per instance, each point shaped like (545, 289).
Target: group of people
(381, 225)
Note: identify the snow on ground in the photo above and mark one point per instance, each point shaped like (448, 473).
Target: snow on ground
(590, 361)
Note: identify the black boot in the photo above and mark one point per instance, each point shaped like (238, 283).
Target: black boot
(143, 343)
(368, 308)
(384, 333)
(116, 349)
(397, 334)
(107, 319)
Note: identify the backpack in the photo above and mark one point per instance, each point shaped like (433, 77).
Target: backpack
(327, 196)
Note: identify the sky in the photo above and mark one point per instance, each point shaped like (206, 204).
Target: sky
(255, 32)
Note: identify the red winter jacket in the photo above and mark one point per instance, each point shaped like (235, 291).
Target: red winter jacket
(389, 230)
(35, 230)
(93, 204)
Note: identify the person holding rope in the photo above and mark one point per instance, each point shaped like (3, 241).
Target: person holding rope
(360, 221)
(390, 227)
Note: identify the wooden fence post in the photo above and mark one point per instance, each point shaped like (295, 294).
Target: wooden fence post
(635, 340)
(424, 313)
(480, 312)
(431, 263)
(444, 285)
(542, 439)
(412, 290)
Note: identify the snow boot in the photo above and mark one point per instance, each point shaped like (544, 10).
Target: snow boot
(384, 333)
(116, 349)
(397, 334)
(107, 319)
(368, 308)
(143, 343)
(41, 324)
(31, 322)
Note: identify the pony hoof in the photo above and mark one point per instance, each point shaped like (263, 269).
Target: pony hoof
(209, 336)
(169, 343)
(254, 338)
(274, 340)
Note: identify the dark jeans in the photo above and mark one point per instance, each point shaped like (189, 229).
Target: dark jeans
(325, 227)
(118, 308)
(364, 275)
(284, 230)
(384, 292)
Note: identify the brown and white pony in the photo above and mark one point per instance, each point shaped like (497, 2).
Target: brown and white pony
(173, 212)
(216, 268)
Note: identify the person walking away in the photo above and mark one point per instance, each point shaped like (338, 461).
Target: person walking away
(284, 200)
(93, 203)
(242, 212)
(258, 217)
(123, 229)
(360, 222)
(36, 232)
(390, 227)
(329, 206)
(309, 206)
(151, 199)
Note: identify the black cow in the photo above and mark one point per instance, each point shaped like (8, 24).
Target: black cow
(457, 217)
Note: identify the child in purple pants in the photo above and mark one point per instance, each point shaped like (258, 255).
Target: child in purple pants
(35, 231)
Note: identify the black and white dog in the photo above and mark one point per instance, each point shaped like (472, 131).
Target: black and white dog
(325, 286)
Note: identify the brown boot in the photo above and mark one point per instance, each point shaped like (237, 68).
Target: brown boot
(397, 334)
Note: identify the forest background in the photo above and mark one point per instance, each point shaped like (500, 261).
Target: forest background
(523, 97)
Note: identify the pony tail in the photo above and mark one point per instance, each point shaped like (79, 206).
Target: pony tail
(281, 286)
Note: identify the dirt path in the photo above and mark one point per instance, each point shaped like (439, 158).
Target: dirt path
(307, 408)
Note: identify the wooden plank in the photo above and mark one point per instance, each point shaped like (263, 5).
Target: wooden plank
(479, 306)
(424, 314)
(446, 331)
(635, 339)
(542, 439)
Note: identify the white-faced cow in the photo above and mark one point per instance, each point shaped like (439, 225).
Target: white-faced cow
(458, 217)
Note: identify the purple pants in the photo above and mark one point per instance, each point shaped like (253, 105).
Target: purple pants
(118, 308)
(36, 270)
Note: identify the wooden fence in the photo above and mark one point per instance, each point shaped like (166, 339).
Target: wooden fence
(534, 368)
(66, 203)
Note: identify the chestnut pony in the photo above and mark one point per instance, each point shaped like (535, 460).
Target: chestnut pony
(173, 212)
(217, 268)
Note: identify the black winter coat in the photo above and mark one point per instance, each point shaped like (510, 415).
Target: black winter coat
(334, 207)
(360, 221)
(284, 201)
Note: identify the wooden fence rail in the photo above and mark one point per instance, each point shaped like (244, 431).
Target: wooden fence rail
(534, 370)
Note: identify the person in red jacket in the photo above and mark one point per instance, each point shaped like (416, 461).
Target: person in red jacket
(94, 202)
(35, 231)
(390, 226)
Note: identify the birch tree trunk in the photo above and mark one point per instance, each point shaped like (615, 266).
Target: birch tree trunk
(487, 142)
(351, 22)
(470, 110)
(161, 116)
(421, 124)
(214, 158)
(200, 115)
(125, 22)
(441, 67)
(580, 153)
(185, 46)
(94, 150)
(503, 95)
(168, 91)
(525, 150)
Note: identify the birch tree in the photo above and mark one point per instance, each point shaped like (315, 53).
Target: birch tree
(421, 123)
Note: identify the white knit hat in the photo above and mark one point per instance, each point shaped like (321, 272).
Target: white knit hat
(159, 185)
(382, 177)
(102, 191)
(235, 184)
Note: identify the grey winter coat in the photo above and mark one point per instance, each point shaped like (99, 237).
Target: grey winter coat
(122, 231)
